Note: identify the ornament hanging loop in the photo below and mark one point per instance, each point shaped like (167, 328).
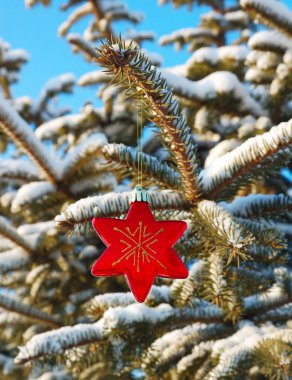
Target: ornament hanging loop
(139, 194)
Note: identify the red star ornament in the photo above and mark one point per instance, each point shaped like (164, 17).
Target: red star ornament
(140, 248)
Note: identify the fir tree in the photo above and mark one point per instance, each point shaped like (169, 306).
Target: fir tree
(221, 135)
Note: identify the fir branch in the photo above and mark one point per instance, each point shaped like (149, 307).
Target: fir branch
(183, 291)
(127, 158)
(279, 314)
(209, 91)
(271, 299)
(113, 204)
(251, 160)
(28, 311)
(9, 232)
(13, 125)
(57, 341)
(272, 13)
(219, 290)
(167, 350)
(274, 357)
(260, 206)
(131, 70)
(218, 231)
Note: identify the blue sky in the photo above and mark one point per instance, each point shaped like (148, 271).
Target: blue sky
(35, 30)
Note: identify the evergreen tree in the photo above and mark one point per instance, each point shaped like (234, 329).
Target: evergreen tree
(221, 134)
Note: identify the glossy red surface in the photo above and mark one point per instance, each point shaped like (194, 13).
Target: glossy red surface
(140, 248)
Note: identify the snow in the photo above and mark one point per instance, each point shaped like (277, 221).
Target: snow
(138, 35)
(199, 351)
(162, 348)
(57, 84)
(258, 301)
(13, 259)
(7, 198)
(237, 347)
(249, 151)
(93, 77)
(57, 341)
(244, 206)
(209, 88)
(154, 57)
(103, 302)
(136, 313)
(31, 192)
(19, 169)
(271, 8)
(112, 204)
(236, 17)
(28, 229)
(266, 39)
(89, 251)
(54, 375)
(15, 55)
(214, 55)
(54, 126)
(221, 148)
(82, 11)
(78, 41)
(185, 34)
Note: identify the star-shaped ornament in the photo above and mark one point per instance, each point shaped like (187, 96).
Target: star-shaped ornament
(139, 247)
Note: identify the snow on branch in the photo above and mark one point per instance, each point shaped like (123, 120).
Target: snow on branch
(64, 124)
(18, 170)
(125, 159)
(93, 77)
(28, 311)
(31, 193)
(216, 87)
(21, 133)
(270, 12)
(173, 346)
(99, 304)
(185, 35)
(57, 341)
(250, 160)
(259, 206)
(88, 148)
(237, 348)
(217, 228)
(13, 259)
(270, 40)
(9, 232)
(114, 204)
(60, 84)
(81, 44)
(273, 298)
(145, 83)
(82, 11)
